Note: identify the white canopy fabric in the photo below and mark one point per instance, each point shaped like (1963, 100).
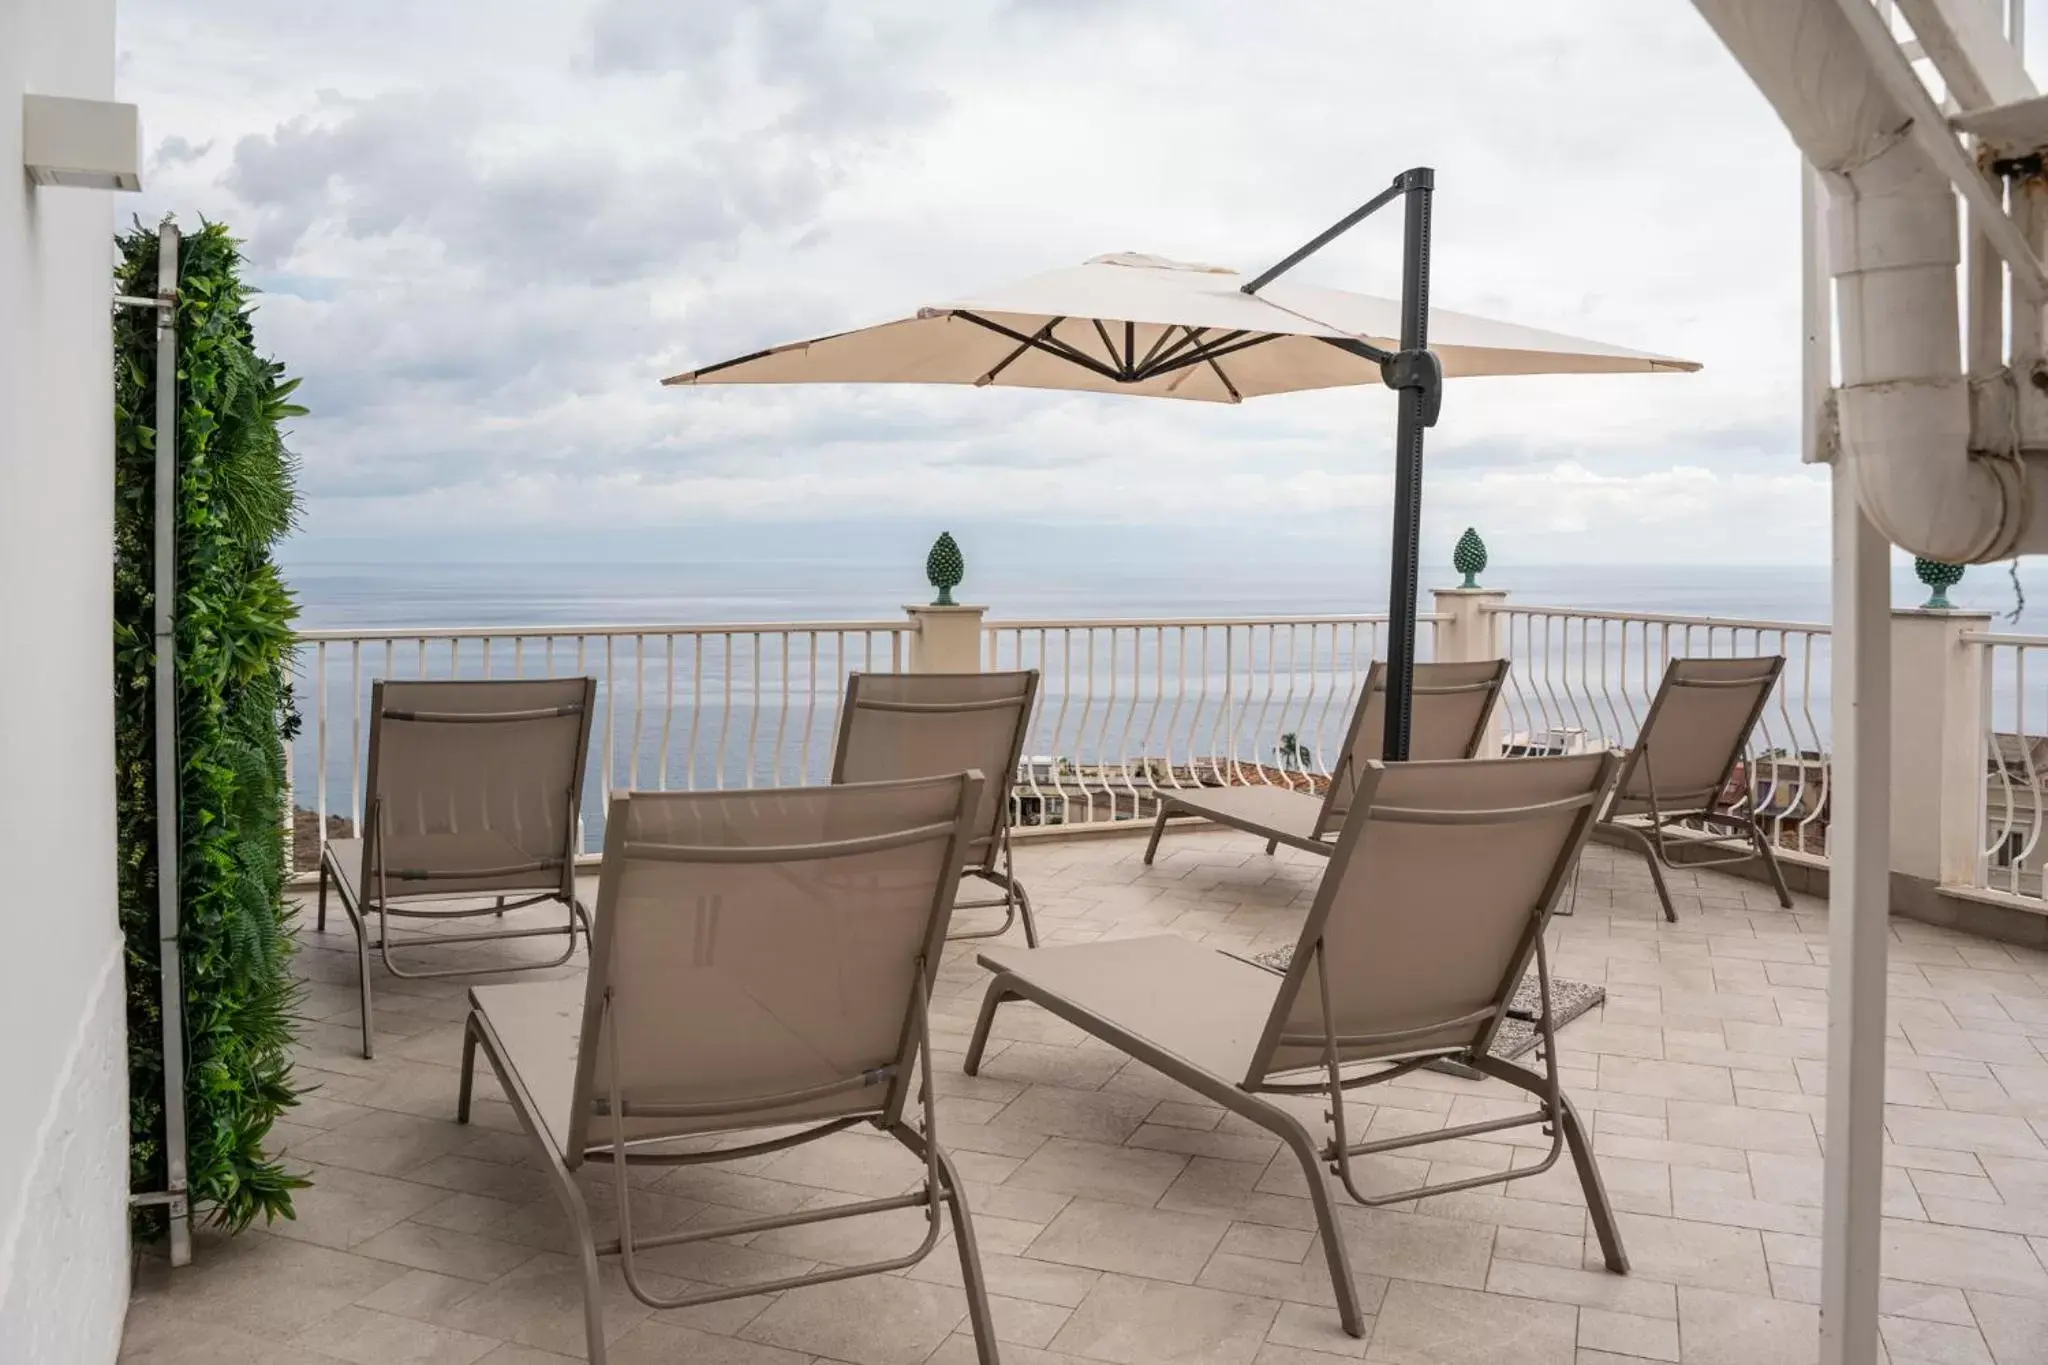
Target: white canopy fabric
(1155, 328)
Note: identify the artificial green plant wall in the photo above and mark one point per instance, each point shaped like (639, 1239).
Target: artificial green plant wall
(236, 500)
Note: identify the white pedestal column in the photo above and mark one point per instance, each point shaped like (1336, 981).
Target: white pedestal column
(947, 639)
(1470, 631)
(1937, 791)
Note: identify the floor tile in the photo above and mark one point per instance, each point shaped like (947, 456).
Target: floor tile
(1697, 1254)
(1155, 1243)
(1098, 1171)
(1422, 1324)
(1627, 1335)
(876, 1320)
(1127, 1321)
(1716, 1328)
(371, 1338)
(2014, 1327)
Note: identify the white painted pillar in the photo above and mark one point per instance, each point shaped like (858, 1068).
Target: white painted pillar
(945, 639)
(1470, 631)
(1937, 815)
(1859, 908)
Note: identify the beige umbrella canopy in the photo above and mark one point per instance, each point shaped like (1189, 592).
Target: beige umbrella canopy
(1162, 329)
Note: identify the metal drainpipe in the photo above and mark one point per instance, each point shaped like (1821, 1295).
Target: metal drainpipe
(167, 773)
(174, 1198)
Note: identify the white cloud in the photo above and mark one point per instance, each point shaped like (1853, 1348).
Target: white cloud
(487, 238)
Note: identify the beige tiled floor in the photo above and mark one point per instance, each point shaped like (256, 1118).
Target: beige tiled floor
(1122, 1220)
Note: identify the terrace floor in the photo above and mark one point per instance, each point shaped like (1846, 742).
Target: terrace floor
(1121, 1221)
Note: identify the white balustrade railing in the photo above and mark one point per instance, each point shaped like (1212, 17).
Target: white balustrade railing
(2014, 707)
(1128, 709)
(1585, 679)
(677, 706)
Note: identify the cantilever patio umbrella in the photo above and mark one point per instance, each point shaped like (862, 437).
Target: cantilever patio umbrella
(1141, 325)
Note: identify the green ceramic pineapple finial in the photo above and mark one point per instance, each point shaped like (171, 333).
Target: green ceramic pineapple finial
(1939, 578)
(944, 567)
(1469, 558)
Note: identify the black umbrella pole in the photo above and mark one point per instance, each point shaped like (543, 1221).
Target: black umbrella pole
(1411, 422)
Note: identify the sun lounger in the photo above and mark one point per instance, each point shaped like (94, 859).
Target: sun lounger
(761, 977)
(1437, 895)
(470, 809)
(896, 725)
(1453, 703)
(1697, 730)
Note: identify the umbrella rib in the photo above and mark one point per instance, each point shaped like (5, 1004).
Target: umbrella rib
(1152, 351)
(1022, 347)
(1228, 344)
(1123, 370)
(1051, 345)
(1188, 336)
(1224, 379)
(1130, 346)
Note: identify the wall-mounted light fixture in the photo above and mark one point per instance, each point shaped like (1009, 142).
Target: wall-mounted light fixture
(86, 144)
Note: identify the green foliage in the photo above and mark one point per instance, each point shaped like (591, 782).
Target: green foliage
(236, 499)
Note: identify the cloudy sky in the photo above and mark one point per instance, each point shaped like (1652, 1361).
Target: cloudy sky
(486, 231)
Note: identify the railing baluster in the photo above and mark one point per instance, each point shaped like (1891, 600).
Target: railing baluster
(320, 743)
(355, 729)
(1995, 761)
(668, 711)
(2033, 771)
(608, 700)
(639, 708)
(805, 770)
(696, 703)
(724, 714)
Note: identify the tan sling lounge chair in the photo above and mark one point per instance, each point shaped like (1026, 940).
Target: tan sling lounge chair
(470, 810)
(1452, 704)
(1695, 733)
(1436, 898)
(896, 725)
(760, 978)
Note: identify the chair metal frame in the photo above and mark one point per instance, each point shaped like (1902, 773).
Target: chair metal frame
(1246, 1096)
(1014, 900)
(942, 1185)
(1329, 818)
(1656, 840)
(374, 873)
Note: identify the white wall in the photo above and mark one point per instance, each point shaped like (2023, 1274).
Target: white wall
(63, 1076)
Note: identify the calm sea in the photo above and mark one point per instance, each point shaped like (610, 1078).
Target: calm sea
(1232, 583)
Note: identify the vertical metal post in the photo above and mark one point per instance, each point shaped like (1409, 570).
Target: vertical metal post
(1816, 317)
(1420, 186)
(179, 1208)
(1859, 908)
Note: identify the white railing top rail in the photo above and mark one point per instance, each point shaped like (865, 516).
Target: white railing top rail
(1153, 622)
(1993, 637)
(1657, 618)
(333, 635)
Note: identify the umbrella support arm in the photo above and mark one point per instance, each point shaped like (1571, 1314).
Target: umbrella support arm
(1419, 178)
(1416, 373)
